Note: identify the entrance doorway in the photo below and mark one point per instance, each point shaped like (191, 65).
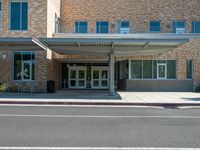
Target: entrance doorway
(77, 77)
(100, 77)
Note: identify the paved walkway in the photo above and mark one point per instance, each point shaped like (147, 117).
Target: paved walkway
(96, 96)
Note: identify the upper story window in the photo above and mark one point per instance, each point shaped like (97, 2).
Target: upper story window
(154, 26)
(196, 27)
(178, 27)
(57, 24)
(24, 66)
(0, 14)
(102, 27)
(19, 15)
(124, 27)
(81, 27)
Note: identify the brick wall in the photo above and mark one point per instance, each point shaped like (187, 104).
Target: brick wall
(7, 75)
(37, 20)
(138, 12)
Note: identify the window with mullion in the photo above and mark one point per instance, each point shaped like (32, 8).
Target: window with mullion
(81, 27)
(102, 27)
(178, 24)
(18, 15)
(24, 66)
(154, 26)
(196, 27)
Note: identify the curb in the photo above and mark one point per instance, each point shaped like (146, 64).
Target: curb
(166, 105)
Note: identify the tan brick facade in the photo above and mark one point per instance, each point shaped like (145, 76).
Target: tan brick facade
(41, 23)
(138, 12)
(7, 72)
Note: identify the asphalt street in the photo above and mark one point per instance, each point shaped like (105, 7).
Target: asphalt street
(119, 127)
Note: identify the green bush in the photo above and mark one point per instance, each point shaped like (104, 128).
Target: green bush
(198, 89)
(3, 87)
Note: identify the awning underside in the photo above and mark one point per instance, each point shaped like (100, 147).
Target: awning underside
(94, 46)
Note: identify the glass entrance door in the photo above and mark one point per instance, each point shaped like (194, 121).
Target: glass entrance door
(161, 71)
(100, 78)
(77, 77)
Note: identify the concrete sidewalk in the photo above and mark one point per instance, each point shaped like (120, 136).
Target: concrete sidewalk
(87, 97)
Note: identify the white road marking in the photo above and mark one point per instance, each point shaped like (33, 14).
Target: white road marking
(78, 106)
(93, 148)
(93, 116)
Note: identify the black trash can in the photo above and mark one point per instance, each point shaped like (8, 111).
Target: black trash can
(51, 86)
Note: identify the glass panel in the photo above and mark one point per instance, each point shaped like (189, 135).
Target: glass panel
(17, 66)
(104, 74)
(125, 24)
(96, 83)
(178, 24)
(27, 55)
(15, 16)
(95, 74)
(81, 74)
(171, 69)
(33, 71)
(81, 83)
(189, 69)
(72, 74)
(161, 71)
(196, 27)
(155, 26)
(24, 16)
(155, 69)
(104, 83)
(136, 69)
(102, 27)
(72, 83)
(81, 27)
(27, 70)
(147, 69)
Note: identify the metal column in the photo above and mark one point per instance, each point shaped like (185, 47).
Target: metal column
(112, 74)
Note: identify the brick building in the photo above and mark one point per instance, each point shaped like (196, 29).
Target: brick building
(133, 45)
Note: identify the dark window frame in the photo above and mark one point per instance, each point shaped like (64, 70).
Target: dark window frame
(77, 28)
(22, 61)
(175, 25)
(194, 30)
(99, 28)
(23, 15)
(151, 28)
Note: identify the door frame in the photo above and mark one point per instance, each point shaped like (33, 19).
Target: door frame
(77, 69)
(162, 64)
(100, 69)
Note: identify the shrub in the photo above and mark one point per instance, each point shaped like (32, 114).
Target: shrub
(3, 87)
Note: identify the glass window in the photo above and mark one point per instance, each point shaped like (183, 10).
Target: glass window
(102, 27)
(81, 27)
(153, 69)
(57, 24)
(136, 69)
(154, 26)
(147, 69)
(124, 24)
(19, 15)
(189, 69)
(196, 27)
(171, 69)
(178, 24)
(24, 66)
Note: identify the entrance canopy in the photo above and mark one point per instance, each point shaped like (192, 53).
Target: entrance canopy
(89, 44)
